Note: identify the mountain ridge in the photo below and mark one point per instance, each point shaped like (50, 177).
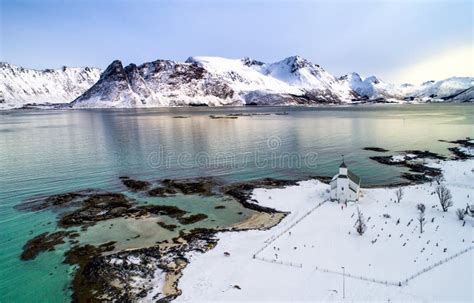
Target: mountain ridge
(20, 86)
(213, 81)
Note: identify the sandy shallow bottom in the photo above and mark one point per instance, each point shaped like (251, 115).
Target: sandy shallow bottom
(260, 221)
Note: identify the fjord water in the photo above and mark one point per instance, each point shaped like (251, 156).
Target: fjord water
(48, 152)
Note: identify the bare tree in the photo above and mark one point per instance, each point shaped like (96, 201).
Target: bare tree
(460, 213)
(399, 194)
(360, 223)
(421, 207)
(421, 216)
(444, 196)
(469, 210)
(438, 178)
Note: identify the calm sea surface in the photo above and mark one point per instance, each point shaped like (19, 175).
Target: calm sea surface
(48, 152)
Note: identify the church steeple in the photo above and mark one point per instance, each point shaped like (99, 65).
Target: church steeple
(343, 167)
(343, 164)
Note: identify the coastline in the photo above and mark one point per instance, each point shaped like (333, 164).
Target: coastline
(65, 106)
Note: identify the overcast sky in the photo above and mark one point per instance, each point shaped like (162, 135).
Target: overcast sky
(398, 41)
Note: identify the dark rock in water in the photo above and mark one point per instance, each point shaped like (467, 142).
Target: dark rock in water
(463, 142)
(162, 192)
(66, 200)
(62, 199)
(376, 149)
(170, 227)
(222, 117)
(459, 153)
(93, 207)
(166, 210)
(467, 143)
(385, 160)
(420, 172)
(425, 154)
(219, 207)
(417, 154)
(192, 219)
(202, 186)
(82, 254)
(43, 242)
(135, 185)
(87, 279)
(97, 207)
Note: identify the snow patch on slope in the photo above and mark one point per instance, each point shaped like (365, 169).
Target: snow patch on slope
(242, 77)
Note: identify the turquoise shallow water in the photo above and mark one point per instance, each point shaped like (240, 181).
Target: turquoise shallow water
(48, 152)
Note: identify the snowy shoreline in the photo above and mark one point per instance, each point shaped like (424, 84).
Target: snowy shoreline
(294, 259)
(393, 102)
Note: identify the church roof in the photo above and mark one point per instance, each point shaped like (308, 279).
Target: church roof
(350, 175)
(353, 177)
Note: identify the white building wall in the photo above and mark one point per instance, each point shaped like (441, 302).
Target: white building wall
(333, 190)
(343, 190)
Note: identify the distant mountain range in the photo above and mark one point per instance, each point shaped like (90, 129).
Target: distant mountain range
(212, 81)
(20, 86)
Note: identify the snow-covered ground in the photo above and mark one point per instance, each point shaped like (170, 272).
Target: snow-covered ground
(392, 248)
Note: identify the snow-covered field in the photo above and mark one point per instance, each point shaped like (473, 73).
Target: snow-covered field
(391, 249)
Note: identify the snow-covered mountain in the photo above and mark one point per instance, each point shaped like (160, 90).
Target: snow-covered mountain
(215, 81)
(212, 81)
(157, 83)
(451, 88)
(372, 88)
(20, 86)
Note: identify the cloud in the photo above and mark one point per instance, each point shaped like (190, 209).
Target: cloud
(457, 61)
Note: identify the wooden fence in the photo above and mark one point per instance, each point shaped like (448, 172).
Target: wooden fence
(273, 238)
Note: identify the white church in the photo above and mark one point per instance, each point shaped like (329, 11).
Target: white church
(345, 186)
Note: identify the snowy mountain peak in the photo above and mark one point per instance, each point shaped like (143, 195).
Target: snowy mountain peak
(296, 63)
(352, 77)
(251, 62)
(114, 69)
(372, 79)
(20, 86)
(428, 82)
